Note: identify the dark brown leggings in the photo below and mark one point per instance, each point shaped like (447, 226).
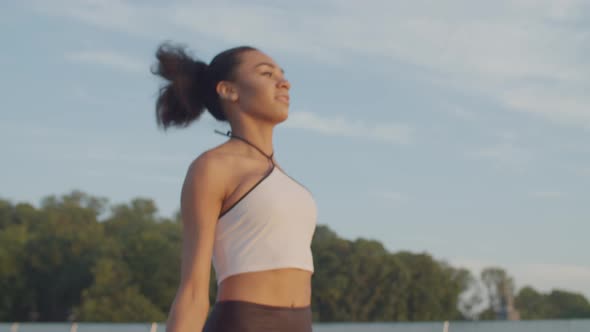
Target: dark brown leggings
(241, 316)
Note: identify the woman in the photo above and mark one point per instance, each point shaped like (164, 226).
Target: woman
(239, 208)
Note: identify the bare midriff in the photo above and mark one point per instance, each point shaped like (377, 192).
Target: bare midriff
(280, 287)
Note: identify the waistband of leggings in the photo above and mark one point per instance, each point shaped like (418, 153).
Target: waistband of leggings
(260, 305)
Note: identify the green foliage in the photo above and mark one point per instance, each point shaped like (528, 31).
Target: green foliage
(360, 281)
(532, 304)
(60, 262)
(500, 290)
(434, 288)
(150, 247)
(569, 305)
(557, 304)
(13, 240)
(114, 298)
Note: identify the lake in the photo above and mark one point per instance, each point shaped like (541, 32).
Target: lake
(578, 325)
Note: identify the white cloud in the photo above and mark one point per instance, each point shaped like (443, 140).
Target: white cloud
(579, 170)
(561, 104)
(111, 59)
(584, 171)
(340, 126)
(549, 9)
(507, 135)
(114, 15)
(121, 156)
(494, 49)
(137, 176)
(505, 154)
(548, 194)
(462, 113)
(392, 197)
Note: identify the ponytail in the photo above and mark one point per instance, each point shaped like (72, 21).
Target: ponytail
(190, 84)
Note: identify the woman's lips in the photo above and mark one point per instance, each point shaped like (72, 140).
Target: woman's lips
(283, 98)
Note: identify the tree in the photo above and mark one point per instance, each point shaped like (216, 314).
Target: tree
(568, 305)
(361, 281)
(114, 298)
(63, 248)
(472, 300)
(15, 295)
(500, 290)
(60, 262)
(434, 288)
(533, 305)
(150, 246)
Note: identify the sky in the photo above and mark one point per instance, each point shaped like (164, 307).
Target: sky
(456, 128)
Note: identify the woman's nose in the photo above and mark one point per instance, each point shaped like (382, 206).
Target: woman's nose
(285, 83)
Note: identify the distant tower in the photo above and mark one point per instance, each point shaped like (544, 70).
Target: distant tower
(507, 310)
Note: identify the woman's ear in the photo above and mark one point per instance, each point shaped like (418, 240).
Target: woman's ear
(227, 91)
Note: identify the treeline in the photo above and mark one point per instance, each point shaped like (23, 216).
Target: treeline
(76, 257)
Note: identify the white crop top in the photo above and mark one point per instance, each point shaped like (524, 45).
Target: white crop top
(270, 227)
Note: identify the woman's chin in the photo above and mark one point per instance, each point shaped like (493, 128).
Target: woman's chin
(282, 114)
(285, 117)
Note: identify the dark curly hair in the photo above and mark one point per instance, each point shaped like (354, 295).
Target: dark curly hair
(191, 83)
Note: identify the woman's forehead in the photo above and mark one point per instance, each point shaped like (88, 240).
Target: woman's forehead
(253, 59)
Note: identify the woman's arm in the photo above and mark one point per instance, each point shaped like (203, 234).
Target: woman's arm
(202, 195)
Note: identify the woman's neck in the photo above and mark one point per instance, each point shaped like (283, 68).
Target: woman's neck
(259, 136)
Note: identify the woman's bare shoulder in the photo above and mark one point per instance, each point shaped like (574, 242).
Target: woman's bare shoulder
(213, 165)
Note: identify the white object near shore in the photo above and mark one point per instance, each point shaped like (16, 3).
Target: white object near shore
(154, 327)
(14, 327)
(446, 326)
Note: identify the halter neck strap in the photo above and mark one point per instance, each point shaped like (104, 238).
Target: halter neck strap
(230, 135)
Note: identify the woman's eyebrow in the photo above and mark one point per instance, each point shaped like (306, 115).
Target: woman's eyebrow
(268, 64)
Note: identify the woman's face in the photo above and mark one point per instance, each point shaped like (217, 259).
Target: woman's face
(261, 87)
